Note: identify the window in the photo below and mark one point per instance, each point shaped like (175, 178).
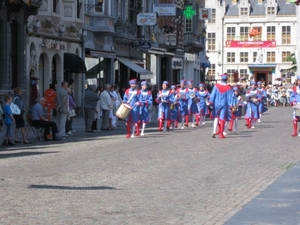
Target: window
(243, 73)
(244, 32)
(244, 11)
(211, 72)
(79, 6)
(213, 16)
(284, 56)
(55, 6)
(135, 7)
(230, 57)
(230, 73)
(99, 6)
(230, 33)
(243, 56)
(211, 41)
(254, 56)
(188, 25)
(271, 33)
(286, 35)
(271, 57)
(271, 10)
(258, 32)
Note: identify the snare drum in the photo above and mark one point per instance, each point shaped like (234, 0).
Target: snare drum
(123, 111)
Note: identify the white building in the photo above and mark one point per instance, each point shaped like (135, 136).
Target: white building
(233, 49)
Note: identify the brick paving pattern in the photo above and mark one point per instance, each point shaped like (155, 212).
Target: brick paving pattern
(178, 177)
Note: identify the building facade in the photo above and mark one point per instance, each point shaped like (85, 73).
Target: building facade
(251, 39)
(115, 41)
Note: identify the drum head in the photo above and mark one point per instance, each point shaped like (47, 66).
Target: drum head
(127, 106)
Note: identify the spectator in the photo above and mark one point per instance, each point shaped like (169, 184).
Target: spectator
(72, 106)
(9, 120)
(90, 102)
(112, 112)
(97, 113)
(39, 120)
(20, 123)
(154, 111)
(106, 106)
(118, 103)
(62, 108)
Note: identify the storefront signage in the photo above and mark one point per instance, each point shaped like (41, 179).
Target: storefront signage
(146, 19)
(145, 46)
(204, 14)
(251, 44)
(165, 9)
(177, 63)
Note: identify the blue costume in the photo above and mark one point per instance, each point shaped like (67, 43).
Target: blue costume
(252, 105)
(175, 109)
(235, 106)
(145, 98)
(220, 98)
(165, 99)
(131, 97)
(295, 101)
(192, 103)
(261, 102)
(203, 96)
(183, 103)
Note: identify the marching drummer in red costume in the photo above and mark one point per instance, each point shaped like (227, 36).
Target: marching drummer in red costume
(146, 101)
(131, 97)
(203, 96)
(174, 108)
(237, 101)
(295, 101)
(164, 98)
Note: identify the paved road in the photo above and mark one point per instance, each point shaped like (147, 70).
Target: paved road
(180, 177)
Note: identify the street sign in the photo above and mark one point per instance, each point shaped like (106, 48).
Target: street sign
(204, 14)
(146, 19)
(145, 46)
(165, 9)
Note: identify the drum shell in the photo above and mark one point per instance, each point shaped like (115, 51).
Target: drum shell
(123, 111)
(297, 111)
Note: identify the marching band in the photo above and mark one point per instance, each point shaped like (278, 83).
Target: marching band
(184, 103)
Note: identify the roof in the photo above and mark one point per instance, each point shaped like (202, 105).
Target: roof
(283, 8)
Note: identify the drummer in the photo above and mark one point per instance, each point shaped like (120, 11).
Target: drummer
(253, 96)
(146, 101)
(131, 97)
(295, 101)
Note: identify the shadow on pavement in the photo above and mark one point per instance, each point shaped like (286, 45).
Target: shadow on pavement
(21, 154)
(70, 188)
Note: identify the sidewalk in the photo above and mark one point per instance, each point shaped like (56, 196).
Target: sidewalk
(278, 204)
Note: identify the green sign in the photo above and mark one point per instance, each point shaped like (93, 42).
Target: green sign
(189, 12)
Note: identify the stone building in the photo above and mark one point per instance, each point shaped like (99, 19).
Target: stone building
(251, 39)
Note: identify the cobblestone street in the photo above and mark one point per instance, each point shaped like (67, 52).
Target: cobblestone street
(178, 177)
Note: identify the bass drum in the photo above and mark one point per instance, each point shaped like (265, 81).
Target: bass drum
(123, 111)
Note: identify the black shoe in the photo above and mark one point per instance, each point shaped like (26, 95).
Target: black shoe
(4, 143)
(18, 141)
(10, 144)
(47, 139)
(27, 142)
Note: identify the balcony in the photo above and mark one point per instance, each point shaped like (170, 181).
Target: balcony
(193, 43)
(100, 24)
(125, 31)
(167, 40)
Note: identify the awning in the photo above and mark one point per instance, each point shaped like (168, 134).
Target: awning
(145, 74)
(73, 63)
(93, 72)
(262, 65)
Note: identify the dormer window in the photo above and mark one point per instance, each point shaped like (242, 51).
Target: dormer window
(271, 10)
(244, 11)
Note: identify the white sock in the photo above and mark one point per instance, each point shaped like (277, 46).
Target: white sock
(216, 121)
(165, 125)
(182, 121)
(236, 124)
(225, 126)
(193, 119)
(133, 129)
(143, 127)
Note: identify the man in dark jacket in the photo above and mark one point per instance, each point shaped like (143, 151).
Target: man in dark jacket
(90, 102)
(154, 111)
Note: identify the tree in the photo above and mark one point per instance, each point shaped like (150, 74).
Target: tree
(292, 58)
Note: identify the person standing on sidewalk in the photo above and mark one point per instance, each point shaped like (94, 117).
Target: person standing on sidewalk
(62, 108)
(72, 106)
(9, 120)
(90, 102)
(20, 123)
(106, 105)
